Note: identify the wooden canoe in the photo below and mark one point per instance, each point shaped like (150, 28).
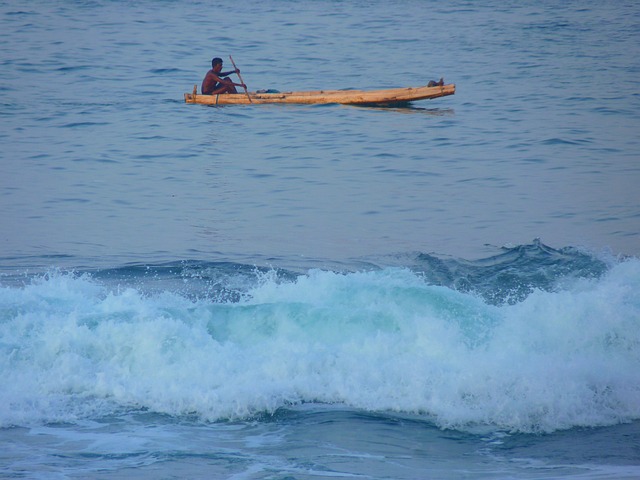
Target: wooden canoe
(350, 97)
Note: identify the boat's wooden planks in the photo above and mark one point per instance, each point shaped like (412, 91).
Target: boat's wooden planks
(393, 95)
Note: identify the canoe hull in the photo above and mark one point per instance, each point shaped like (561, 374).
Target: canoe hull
(347, 97)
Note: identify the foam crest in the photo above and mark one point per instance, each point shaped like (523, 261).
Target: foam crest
(383, 340)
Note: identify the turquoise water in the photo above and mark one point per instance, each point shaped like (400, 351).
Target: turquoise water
(519, 366)
(447, 290)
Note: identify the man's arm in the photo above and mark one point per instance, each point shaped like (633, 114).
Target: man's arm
(226, 74)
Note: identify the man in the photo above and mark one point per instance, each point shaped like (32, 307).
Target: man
(215, 83)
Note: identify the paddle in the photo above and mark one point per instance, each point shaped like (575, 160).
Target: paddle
(240, 77)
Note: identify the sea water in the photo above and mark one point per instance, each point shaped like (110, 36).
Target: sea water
(444, 290)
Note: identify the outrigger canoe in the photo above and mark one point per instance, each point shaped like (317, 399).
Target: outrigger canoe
(349, 97)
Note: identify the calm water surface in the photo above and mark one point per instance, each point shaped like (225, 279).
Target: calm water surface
(102, 159)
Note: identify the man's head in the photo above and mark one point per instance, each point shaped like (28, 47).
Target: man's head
(216, 61)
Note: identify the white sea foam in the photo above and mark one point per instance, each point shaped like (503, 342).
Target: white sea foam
(386, 340)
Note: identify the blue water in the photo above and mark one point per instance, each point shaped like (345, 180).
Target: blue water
(447, 290)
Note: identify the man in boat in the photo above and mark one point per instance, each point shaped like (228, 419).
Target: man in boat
(433, 83)
(215, 82)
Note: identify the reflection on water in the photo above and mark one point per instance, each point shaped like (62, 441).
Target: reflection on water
(409, 107)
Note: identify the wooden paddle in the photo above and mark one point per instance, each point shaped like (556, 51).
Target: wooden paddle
(240, 77)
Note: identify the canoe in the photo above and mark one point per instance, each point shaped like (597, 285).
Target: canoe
(349, 97)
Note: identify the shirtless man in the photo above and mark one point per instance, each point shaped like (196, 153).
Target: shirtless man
(214, 83)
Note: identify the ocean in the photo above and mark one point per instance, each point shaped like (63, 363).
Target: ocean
(444, 290)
